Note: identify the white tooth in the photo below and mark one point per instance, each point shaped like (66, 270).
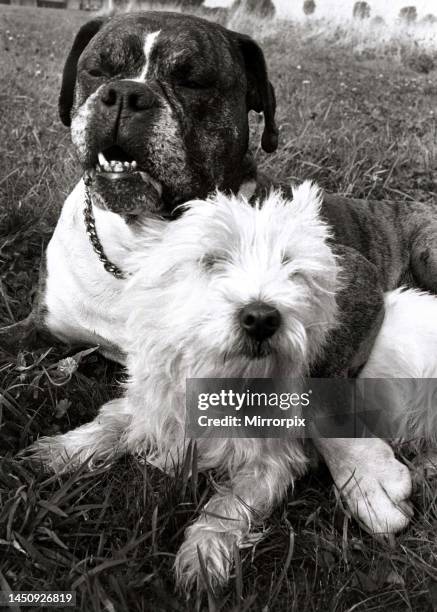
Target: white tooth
(127, 165)
(102, 159)
(113, 162)
(118, 168)
(107, 168)
(134, 165)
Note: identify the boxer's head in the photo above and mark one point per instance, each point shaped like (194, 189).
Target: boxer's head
(158, 107)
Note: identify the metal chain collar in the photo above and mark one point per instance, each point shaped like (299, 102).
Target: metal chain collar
(90, 226)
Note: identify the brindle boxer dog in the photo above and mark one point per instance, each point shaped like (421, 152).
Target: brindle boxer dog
(158, 108)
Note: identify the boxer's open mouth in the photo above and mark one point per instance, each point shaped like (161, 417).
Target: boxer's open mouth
(115, 163)
(126, 174)
(121, 184)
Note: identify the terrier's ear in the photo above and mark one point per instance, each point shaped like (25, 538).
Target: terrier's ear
(260, 91)
(308, 198)
(66, 96)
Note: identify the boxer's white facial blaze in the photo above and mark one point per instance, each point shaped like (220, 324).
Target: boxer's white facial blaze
(149, 43)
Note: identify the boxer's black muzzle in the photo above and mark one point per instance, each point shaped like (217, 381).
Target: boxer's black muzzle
(124, 109)
(116, 161)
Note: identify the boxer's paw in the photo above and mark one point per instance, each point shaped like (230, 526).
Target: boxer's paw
(377, 493)
(216, 550)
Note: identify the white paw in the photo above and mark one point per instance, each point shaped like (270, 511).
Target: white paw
(377, 490)
(53, 454)
(96, 442)
(214, 548)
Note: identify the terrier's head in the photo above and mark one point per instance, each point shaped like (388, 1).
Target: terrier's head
(231, 290)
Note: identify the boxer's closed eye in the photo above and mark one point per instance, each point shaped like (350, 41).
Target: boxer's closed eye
(186, 76)
(195, 82)
(96, 73)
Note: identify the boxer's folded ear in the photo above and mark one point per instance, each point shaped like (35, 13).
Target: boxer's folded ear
(66, 97)
(260, 92)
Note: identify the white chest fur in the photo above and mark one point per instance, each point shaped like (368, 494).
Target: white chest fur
(84, 302)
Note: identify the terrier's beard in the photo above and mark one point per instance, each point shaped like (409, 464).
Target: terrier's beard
(240, 365)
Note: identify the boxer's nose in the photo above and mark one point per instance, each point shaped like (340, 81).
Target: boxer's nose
(129, 96)
(260, 320)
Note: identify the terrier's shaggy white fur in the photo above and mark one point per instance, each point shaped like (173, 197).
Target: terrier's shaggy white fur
(196, 275)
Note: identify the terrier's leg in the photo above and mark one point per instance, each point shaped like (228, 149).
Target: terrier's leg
(100, 440)
(229, 516)
(375, 486)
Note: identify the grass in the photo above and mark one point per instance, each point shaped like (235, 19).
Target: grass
(355, 114)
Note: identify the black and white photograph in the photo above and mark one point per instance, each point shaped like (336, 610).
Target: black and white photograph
(218, 305)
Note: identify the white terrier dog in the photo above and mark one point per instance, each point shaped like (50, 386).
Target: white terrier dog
(225, 291)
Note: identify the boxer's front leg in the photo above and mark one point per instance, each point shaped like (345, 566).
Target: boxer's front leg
(374, 485)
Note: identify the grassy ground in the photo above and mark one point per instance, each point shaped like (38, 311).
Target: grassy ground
(355, 114)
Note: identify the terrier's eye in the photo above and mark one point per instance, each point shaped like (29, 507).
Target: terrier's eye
(297, 277)
(293, 273)
(210, 260)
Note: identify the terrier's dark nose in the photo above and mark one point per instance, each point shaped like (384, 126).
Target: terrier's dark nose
(260, 320)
